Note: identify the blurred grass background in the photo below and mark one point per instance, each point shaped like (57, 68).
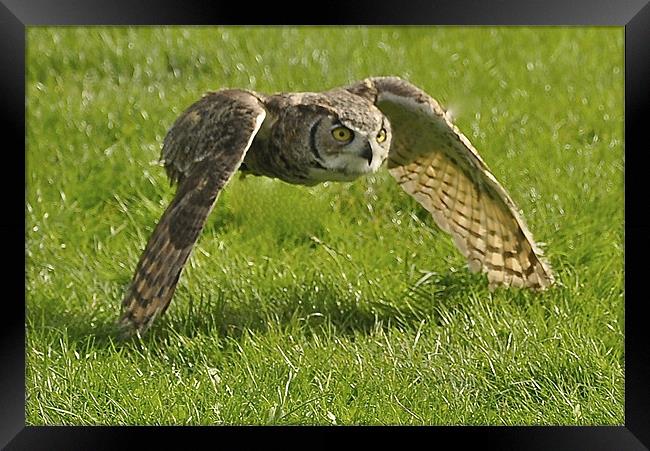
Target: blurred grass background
(341, 303)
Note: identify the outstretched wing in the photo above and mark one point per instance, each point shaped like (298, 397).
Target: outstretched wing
(202, 150)
(436, 164)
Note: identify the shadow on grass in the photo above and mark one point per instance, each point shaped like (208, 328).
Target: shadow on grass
(298, 307)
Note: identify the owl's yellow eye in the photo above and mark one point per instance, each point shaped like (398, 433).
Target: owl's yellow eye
(342, 134)
(381, 136)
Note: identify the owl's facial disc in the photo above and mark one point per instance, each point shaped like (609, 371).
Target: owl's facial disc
(344, 152)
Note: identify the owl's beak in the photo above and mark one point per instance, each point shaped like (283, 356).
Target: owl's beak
(367, 153)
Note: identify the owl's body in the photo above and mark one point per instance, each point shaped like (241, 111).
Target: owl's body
(286, 147)
(338, 135)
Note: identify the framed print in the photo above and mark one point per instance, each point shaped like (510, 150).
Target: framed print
(431, 221)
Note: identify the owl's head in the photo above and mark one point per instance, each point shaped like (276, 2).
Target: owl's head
(348, 135)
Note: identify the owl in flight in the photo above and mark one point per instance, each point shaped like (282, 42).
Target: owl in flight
(339, 135)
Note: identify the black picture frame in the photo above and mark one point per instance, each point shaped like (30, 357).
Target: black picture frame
(634, 15)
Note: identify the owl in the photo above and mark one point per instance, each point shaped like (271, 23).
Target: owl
(307, 138)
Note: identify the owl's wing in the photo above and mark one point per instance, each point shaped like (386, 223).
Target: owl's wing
(437, 165)
(201, 151)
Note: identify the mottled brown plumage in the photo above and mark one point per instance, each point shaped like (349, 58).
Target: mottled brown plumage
(436, 164)
(341, 134)
(201, 152)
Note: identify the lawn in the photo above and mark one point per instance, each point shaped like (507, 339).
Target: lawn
(341, 303)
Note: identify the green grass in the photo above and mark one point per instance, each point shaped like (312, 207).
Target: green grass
(341, 303)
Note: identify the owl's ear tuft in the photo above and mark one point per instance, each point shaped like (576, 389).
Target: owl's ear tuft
(364, 88)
